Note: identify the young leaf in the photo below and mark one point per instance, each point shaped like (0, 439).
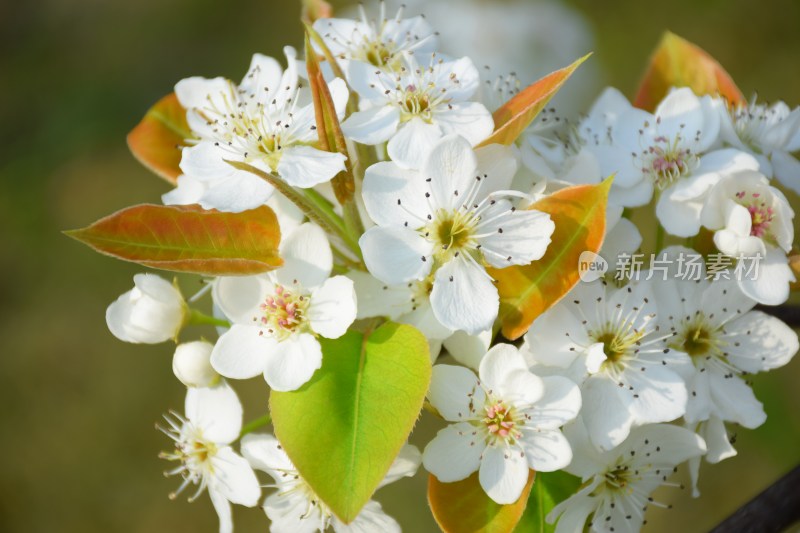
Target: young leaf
(315, 9)
(464, 507)
(511, 119)
(550, 489)
(157, 140)
(344, 428)
(579, 214)
(330, 133)
(679, 63)
(188, 239)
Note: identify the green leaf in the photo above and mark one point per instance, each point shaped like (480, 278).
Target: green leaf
(157, 140)
(344, 428)
(550, 489)
(188, 239)
(511, 119)
(678, 63)
(579, 214)
(464, 507)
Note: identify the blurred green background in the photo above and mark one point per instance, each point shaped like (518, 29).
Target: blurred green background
(77, 441)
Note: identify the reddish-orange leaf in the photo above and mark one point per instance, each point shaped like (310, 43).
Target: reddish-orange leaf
(526, 292)
(679, 63)
(464, 507)
(794, 264)
(511, 119)
(157, 140)
(315, 9)
(188, 239)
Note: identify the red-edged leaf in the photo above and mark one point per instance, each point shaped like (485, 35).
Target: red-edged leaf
(679, 63)
(464, 507)
(315, 9)
(188, 239)
(579, 214)
(331, 138)
(511, 119)
(157, 140)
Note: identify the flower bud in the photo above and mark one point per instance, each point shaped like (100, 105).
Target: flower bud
(192, 364)
(153, 311)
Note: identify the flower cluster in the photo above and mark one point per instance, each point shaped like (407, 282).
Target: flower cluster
(617, 382)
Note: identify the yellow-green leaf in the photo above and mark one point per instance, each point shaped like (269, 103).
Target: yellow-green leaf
(157, 140)
(464, 507)
(188, 239)
(679, 63)
(511, 119)
(579, 214)
(344, 428)
(550, 489)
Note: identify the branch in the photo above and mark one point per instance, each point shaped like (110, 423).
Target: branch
(774, 510)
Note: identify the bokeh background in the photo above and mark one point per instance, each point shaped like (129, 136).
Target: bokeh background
(77, 407)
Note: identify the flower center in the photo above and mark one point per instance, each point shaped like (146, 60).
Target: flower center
(284, 313)
(501, 422)
(192, 451)
(761, 214)
(666, 161)
(700, 340)
(619, 344)
(617, 479)
(415, 102)
(452, 233)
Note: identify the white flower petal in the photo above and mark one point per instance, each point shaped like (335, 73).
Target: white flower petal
(394, 196)
(189, 191)
(608, 420)
(408, 147)
(371, 519)
(717, 440)
(216, 411)
(454, 453)
(239, 297)
(333, 307)
(376, 298)
(559, 404)
(770, 285)
(289, 513)
(396, 255)
(463, 297)
(503, 474)
(787, 170)
(454, 390)
(546, 451)
(735, 401)
(497, 165)
(264, 452)
(659, 394)
(223, 508)
(468, 349)
(450, 166)
(423, 318)
(234, 478)
(242, 351)
(305, 166)
(516, 238)
(470, 120)
(292, 362)
(405, 464)
(757, 342)
(307, 257)
(375, 125)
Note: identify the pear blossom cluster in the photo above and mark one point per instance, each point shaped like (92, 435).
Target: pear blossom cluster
(617, 384)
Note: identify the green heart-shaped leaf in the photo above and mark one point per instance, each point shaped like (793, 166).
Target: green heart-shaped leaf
(344, 428)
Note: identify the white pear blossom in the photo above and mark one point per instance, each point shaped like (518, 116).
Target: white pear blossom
(378, 42)
(714, 324)
(191, 364)
(267, 121)
(295, 508)
(617, 484)
(503, 424)
(153, 311)
(424, 99)
(654, 151)
(277, 317)
(203, 450)
(770, 133)
(607, 339)
(752, 219)
(449, 220)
